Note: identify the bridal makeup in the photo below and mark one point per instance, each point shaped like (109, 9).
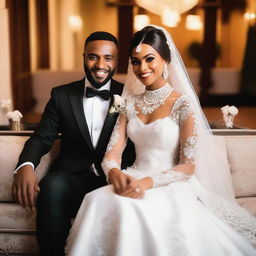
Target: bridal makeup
(148, 66)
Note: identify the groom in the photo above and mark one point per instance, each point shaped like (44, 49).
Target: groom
(79, 112)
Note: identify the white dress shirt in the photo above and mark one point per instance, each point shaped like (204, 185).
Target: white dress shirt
(95, 111)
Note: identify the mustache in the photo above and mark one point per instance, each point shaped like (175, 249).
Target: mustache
(100, 69)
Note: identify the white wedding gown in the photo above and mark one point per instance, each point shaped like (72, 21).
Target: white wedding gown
(176, 217)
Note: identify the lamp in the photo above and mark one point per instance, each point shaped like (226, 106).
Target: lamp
(250, 16)
(170, 18)
(141, 21)
(193, 22)
(75, 22)
(158, 6)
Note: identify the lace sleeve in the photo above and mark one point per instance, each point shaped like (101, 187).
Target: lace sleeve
(116, 145)
(183, 115)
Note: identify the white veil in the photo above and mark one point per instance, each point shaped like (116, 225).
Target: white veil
(208, 171)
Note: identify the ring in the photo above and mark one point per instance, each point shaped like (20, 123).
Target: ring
(137, 189)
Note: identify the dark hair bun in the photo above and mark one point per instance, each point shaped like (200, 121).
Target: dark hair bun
(154, 37)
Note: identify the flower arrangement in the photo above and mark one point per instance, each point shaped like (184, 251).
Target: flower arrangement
(15, 120)
(229, 112)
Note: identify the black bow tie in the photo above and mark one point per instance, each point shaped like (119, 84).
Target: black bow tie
(104, 94)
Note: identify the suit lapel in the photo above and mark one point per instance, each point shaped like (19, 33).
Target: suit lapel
(76, 94)
(115, 88)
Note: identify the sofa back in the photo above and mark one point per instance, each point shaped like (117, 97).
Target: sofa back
(237, 154)
(241, 154)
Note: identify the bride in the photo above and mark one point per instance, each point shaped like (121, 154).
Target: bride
(174, 200)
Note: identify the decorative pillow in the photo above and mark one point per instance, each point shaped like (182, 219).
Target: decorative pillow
(241, 152)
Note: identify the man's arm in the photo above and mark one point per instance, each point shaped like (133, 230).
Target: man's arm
(25, 185)
(45, 134)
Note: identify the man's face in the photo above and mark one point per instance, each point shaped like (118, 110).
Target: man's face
(100, 59)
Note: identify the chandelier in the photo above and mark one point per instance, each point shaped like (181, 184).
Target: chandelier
(158, 6)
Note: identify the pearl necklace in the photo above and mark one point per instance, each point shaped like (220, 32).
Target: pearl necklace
(151, 100)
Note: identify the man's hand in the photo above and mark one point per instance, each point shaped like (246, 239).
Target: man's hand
(25, 187)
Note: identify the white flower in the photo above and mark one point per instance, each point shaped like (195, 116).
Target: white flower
(233, 110)
(229, 110)
(118, 105)
(14, 115)
(225, 110)
(228, 115)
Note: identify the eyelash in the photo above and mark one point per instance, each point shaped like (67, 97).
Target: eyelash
(150, 59)
(137, 62)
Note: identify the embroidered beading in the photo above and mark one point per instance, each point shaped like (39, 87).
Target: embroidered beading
(151, 100)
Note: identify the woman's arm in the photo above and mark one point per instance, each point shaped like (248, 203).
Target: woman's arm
(111, 164)
(183, 113)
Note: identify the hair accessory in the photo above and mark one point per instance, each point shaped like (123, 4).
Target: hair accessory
(138, 48)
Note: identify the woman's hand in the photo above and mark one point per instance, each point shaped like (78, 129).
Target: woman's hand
(136, 188)
(119, 180)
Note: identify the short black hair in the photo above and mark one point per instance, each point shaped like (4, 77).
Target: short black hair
(154, 37)
(101, 35)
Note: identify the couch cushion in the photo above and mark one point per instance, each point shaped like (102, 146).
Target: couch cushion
(10, 149)
(249, 203)
(24, 244)
(14, 218)
(241, 152)
(223, 164)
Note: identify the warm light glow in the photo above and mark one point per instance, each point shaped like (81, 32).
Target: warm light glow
(170, 18)
(193, 22)
(141, 21)
(250, 16)
(75, 22)
(158, 6)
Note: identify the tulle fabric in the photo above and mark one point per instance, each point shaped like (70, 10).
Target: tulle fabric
(215, 178)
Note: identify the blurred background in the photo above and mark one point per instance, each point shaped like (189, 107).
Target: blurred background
(42, 41)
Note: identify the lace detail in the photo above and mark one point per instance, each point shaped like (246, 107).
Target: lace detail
(167, 177)
(190, 149)
(182, 108)
(231, 213)
(234, 216)
(182, 111)
(107, 165)
(114, 137)
(130, 110)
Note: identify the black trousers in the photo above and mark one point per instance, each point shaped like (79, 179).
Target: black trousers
(59, 199)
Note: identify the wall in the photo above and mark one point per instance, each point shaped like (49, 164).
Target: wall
(5, 76)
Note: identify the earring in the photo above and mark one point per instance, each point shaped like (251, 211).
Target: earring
(165, 72)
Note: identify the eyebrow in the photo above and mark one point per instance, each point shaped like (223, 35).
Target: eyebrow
(94, 54)
(144, 57)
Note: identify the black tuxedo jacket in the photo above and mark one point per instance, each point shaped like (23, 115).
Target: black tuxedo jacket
(64, 114)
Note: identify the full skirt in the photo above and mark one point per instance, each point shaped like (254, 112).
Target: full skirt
(172, 220)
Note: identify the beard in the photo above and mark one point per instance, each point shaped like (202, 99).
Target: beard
(93, 81)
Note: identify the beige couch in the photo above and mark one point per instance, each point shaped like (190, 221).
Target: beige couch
(17, 225)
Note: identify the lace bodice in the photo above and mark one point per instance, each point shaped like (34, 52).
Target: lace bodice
(156, 143)
(164, 148)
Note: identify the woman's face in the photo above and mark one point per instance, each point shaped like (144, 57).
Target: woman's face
(148, 66)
